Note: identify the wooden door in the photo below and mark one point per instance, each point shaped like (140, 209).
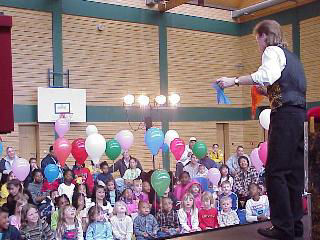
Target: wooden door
(28, 142)
(223, 139)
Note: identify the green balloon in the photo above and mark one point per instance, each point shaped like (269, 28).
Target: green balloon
(113, 149)
(160, 181)
(200, 149)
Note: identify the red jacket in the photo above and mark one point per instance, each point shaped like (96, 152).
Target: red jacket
(208, 218)
(86, 176)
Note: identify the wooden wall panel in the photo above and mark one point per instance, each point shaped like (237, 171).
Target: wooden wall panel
(31, 52)
(122, 58)
(204, 131)
(310, 56)
(245, 133)
(251, 59)
(108, 130)
(195, 60)
(47, 138)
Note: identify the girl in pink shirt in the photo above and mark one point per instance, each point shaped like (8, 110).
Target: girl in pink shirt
(181, 189)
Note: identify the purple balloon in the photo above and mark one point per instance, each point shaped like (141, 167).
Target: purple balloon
(255, 159)
(62, 126)
(125, 138)
(21, 168)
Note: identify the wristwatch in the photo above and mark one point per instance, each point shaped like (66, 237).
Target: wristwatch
(236, 82)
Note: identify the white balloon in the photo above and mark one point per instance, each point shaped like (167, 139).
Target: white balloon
(170, 136)
(95, 146)
(91, 129)
(264, 118)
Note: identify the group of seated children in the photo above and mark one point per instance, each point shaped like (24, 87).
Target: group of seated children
(117, 209)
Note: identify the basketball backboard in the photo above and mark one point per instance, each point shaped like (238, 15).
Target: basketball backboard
(54, 102)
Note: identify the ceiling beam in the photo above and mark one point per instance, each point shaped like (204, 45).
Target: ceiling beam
(166, 5)
(272, 10)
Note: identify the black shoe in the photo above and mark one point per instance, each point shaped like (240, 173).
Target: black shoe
(271, 232)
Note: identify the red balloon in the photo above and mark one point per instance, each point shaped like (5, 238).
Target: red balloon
(62, 150)
(78, 150)
(177, 148)
(263, 153)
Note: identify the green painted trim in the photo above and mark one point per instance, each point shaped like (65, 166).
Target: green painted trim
(145, 16)
(28, 113)
(285, 17)
(313, 104)
(110, 11)
(163, 60)
(38, 5)
(57, 47)
(163, 70)
(25, 113)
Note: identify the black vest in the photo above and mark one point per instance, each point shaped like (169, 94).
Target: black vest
(290, 88)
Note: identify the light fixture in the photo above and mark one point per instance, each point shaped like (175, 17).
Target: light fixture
(143, 100)
(161, 99)
(174, 99)
(128, 100)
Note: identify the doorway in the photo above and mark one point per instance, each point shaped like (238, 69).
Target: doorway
(223, 139)
(28, 141)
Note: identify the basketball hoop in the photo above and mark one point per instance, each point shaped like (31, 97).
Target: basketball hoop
(66, 115)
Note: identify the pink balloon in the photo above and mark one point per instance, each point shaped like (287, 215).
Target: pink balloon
(263, 152)
(177, 148)
(255, 159)
(21, 168)
(214, 176)
(125, 138)
(62, 126)
(62, 150)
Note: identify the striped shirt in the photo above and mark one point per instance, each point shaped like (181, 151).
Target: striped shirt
(39, 232)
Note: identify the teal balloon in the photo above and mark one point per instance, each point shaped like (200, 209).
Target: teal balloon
(200, 149)
(1, 148)
(113, 149)
(51, 172)
(154, 138)
(160, 181)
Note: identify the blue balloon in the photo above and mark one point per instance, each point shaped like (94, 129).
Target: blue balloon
(154, 138)
(51, 172)
(1, 148)
(165, 148)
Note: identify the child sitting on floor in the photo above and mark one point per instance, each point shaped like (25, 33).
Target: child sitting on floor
(208, 215)
(145, 225)
(257, 208)
(227, 216)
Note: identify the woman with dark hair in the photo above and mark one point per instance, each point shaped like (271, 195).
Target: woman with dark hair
(283, 75)
(243, 179)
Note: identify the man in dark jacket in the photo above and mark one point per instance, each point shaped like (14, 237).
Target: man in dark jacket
(123, 164)
(49, 159)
